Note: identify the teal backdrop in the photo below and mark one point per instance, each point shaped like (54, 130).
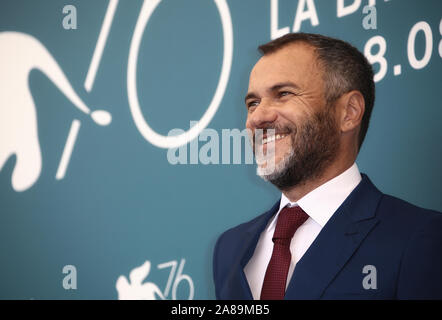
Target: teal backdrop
(90, 205)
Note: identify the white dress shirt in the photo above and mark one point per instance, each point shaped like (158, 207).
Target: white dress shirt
(319, 204)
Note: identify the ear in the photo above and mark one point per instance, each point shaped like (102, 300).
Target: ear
(352, 108)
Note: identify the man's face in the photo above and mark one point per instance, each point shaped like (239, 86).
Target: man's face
(286, 93)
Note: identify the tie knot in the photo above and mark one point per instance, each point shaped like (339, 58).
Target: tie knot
(289, 220)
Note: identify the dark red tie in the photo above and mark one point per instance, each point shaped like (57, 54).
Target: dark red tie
(275, 279)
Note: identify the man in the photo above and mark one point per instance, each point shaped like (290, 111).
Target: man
(333, 234)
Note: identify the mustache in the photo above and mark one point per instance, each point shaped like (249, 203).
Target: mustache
(259, 133)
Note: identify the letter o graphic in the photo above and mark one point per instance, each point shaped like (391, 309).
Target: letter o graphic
(150, 135)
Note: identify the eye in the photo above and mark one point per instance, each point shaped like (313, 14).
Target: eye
(284, 93)
(252, 103)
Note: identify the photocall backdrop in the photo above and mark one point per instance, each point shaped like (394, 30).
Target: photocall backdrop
(91, 205)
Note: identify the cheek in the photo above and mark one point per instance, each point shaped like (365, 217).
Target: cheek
(284, 145)
(291, 118)
(298, 109)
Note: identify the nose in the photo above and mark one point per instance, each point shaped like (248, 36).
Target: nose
(262, 116)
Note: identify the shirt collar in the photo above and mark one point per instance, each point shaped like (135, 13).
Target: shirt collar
(322, 202)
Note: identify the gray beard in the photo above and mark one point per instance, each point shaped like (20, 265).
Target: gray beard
(272, 173)
(314, 146)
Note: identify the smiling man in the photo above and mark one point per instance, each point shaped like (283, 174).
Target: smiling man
(332, 234)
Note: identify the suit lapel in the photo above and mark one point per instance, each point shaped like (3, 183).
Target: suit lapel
(245, 252)
(336, 243)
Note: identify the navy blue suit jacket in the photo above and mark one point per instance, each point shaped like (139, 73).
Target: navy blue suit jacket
(403, 242)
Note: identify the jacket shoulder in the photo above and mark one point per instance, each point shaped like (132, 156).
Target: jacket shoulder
(419, 275)
(391, 207)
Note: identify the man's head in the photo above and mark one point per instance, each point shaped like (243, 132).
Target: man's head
(317, 93)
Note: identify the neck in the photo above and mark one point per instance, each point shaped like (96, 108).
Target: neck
(333, 170)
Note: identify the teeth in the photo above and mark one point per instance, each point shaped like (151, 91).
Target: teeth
(273, 138)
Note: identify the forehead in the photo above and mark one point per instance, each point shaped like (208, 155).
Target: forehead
(296, 63)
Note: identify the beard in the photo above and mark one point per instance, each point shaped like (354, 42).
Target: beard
(314, 145)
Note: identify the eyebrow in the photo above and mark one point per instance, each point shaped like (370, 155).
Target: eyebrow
(276, 87)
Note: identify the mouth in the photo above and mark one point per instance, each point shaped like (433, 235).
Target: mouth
(269, 142)
(275, 137)
(266, 148)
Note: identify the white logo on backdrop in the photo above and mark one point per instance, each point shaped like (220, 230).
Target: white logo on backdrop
(150, 135)
(22, 53)
(136, 288)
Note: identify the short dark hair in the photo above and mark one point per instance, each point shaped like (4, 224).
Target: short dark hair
(345, 69)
